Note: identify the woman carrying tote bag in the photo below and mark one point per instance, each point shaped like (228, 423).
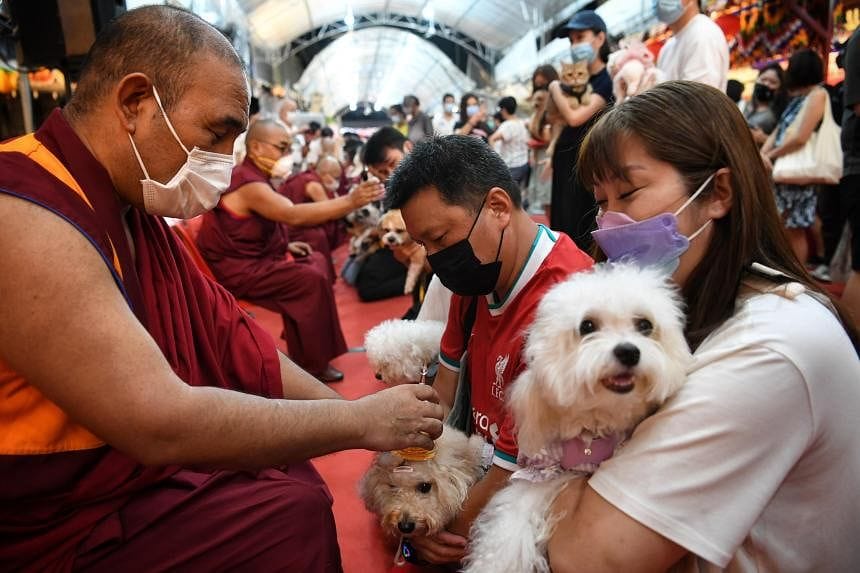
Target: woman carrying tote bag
(802, 117)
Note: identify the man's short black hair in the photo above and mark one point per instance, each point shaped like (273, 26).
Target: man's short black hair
(735, 90)
(313, 127)
(462, 168)
(380, 142)
(508, 104)
(326, 132)
(411, 100)
(446, 96)
(126, 45)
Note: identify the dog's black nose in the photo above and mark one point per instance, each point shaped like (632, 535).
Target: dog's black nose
(406, 526)
(378, 376)
(627, 354)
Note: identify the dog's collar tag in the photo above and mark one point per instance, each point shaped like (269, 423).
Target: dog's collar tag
(588, 450)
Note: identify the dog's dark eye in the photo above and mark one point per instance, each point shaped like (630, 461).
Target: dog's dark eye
(644, 326)
(587, 327)
(424, 487)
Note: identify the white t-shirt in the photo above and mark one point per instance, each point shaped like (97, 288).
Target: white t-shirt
(514, 144)
(698, 52)
(437, 301)
(755, 464)
(444, 125)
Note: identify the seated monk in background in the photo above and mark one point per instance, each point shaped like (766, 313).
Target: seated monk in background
(126, 375)
(319, 183)
(245, 241)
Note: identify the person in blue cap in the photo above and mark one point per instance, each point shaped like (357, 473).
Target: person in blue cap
(573, 207)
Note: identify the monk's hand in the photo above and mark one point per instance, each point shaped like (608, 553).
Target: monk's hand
(444, 547)
(400, 417)
(300, 248)
(366, 191)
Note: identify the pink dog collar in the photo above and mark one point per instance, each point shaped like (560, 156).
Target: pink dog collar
(585, 449)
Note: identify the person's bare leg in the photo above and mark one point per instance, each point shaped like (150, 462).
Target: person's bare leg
(797, 238)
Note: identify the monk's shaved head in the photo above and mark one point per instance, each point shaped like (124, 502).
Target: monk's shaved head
(266, 130)
(162, 42)
(328, 165)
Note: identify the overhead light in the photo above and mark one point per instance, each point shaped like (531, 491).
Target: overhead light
(349, 19)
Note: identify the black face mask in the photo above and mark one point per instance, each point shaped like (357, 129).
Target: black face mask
(460, 270)
(763, 93)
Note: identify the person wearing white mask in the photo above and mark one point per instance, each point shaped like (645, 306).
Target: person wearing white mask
(317, 185)
(136, 394)
(473, 118)
(443, 123)
(572, 205)
(697, 50)
(254, 224)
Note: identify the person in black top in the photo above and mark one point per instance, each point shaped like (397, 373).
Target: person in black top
(573, 207)
(473, 118)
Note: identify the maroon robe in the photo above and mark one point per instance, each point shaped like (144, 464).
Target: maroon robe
(248, 255)
(77, 508)
(325, 237)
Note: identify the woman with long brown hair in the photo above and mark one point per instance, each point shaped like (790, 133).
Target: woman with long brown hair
(753, 465)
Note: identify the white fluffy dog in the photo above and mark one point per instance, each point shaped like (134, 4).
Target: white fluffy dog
(605, 350)
(420, 497)
(399, 350)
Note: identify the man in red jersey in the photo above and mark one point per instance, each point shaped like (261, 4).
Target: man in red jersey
(459, 201)
(126, 376)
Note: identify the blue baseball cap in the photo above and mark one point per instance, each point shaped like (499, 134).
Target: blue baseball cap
(583, 20)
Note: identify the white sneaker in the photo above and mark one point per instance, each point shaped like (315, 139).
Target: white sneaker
(821, 273)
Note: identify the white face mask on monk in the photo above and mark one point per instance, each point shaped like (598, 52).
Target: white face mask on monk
(194, 189)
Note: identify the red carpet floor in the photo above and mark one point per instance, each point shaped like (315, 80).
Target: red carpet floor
(362, 546)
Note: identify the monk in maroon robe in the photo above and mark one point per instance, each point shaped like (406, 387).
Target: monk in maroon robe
(122, 367)
(319, 183)
(249, 256)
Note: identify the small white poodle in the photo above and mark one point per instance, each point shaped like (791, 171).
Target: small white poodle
(400, 351)
(417, 496)
(606, 348)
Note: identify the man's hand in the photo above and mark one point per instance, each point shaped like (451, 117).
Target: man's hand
(365, 192)
(400, 417)
(444, 547)
(300, 248)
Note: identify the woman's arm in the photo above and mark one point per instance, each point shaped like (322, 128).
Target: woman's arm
(812, 116)
(594, 536)
(580, 115)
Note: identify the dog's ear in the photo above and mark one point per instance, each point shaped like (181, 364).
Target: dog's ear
(532, 414)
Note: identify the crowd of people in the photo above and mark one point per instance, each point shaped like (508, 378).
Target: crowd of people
(127, 374)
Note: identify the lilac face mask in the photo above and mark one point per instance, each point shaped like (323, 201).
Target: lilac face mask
(651, 242)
